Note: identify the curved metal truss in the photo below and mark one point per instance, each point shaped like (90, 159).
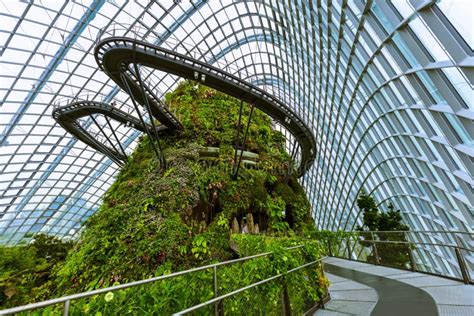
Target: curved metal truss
(386, 87)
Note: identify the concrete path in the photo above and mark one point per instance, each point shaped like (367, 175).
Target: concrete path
(399, 292)
(348, 298)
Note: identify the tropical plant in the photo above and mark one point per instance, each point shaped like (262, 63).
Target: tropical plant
(381, 224)
(25, 270)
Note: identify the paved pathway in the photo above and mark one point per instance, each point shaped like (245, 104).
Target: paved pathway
(399, 292)
(348, 298)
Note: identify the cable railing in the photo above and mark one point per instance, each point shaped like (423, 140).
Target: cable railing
(408, 250)
(209, 284)
(97, 100)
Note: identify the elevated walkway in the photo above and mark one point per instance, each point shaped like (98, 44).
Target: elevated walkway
(68, 117)
(121, 58)
(364, 289)
(115, 55)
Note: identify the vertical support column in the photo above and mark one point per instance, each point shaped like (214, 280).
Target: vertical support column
(148, 108)
(321, 302)
(285, 299)
(237, 137)
(462, 266)
(236, 172)
(103, 132)
(142, 120)
(412, 261)
(290, 163)
(115, 135)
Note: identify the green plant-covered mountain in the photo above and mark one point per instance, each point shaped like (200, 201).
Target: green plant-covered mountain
(156, 220)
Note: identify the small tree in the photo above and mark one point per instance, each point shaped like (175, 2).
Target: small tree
(388, 253)
(367, 204)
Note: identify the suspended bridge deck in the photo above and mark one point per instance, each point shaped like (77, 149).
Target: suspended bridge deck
(116, 54)
(364, 289)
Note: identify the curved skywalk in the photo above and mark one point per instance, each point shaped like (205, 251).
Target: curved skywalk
(115, 55)
(68, 115)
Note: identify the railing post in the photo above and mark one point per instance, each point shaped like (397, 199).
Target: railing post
(412, 261)
(348, 246)
(376, 253)
(329, 247)
(411, 256)
(216, 304)
(285, 299)
(321, 302)
(462, 265)
(66, 308)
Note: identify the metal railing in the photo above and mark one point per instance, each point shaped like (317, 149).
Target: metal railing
(67, 300)
(141, 33)
(84, 96)
(93, 97)
(408, 250)
(285, 302)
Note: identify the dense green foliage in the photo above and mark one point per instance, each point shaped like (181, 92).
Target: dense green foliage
(396, 255)
(165, 297)
(25, 268)
(149, 218)
(155, 221)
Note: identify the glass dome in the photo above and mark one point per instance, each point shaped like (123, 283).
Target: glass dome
(386, 87)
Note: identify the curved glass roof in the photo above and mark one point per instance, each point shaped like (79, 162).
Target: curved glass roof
(387, 88)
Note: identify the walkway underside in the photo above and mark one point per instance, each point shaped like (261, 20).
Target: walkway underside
(116, 56)
(396, 292)
(68, 116)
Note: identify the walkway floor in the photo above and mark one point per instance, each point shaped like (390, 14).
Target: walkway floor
(348, 298)
(399, 292)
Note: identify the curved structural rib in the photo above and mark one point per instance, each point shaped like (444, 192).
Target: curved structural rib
(68, 115)
(114, 55)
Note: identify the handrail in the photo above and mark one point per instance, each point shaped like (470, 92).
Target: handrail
(413, 231)
(388, 232)
(355, 245)
(67, 299)
(242, 289)
(140, 33)
(416, 243)
(90, 97)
